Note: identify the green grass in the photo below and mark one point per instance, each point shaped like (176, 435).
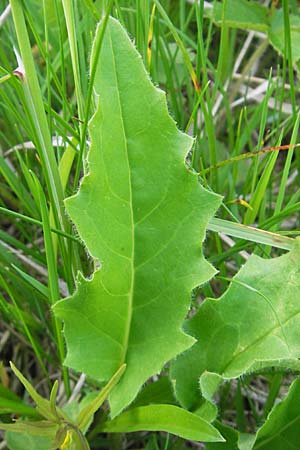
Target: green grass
(43, 141)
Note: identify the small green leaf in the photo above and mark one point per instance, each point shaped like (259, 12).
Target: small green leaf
(43, 405)
(89, 410)
(169, 418)
(73, 409)
(53, 395)
(207, 411)
(209, 383)
(143, 215)
(256, 323)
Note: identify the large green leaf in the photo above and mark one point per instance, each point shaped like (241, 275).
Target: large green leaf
(282, 428)
(276, 34)
(142, 214)
(281, 431)
(255, 324)
(168, 418)
(242, 14)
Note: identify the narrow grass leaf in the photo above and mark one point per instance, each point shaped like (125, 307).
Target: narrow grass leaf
(10, 403)
(33, 282)
(250, 233)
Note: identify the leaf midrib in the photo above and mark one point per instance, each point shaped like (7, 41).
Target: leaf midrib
(131, 291)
